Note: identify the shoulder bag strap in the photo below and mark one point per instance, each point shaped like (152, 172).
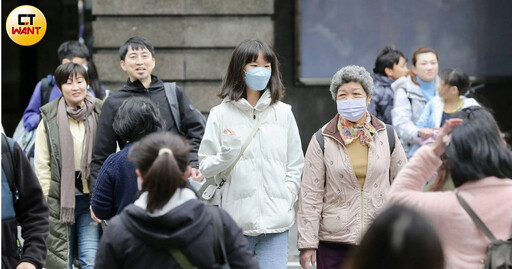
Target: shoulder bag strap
(479, 223)
(391, 138)
(246, 144)
(181, 259)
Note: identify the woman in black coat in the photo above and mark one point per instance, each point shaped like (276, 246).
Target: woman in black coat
(168, 216)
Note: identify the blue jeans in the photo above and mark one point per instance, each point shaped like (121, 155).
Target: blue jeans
(271, 250)
(85, 232)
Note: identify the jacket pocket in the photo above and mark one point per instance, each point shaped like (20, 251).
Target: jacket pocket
(334, 216)
(10, 238)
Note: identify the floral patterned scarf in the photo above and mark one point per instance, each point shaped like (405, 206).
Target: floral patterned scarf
(350, 131)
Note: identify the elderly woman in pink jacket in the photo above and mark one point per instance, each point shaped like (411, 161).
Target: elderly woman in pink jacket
(348, 168)
(481, 168)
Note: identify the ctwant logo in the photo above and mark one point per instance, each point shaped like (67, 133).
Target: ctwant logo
(26, 25)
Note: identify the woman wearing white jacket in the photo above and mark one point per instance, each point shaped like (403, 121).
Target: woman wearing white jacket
(260, 191)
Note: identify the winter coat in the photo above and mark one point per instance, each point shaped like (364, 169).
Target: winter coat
(464, 245)
(382, 98)
(31, 115)
(433, 112)
(106, 138)
(262, 188)
(408, 106)
(58, 240)
(332, 205)
(31, 213)
(116, 186)
(138, 239)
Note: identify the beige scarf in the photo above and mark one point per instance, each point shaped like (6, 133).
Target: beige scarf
(67, 185)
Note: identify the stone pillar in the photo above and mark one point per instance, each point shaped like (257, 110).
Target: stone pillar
(193, 39)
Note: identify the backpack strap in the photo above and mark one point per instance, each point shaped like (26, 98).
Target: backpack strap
(391, 138)
(181, 259)
(47, 84)
(320, 139)
(479, 223)
(172, 98)
(8, 165)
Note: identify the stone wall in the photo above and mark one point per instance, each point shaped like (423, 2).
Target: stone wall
(193, 39)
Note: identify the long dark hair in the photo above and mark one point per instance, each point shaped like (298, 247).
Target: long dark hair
(94, 80)
(399, 238)
(233, 84)
(476, 149)
(162, 171)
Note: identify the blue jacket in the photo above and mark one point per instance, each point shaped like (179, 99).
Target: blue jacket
(433, 112)
(382, 99)
(116, 186)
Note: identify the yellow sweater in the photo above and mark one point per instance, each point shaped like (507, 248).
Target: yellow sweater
(42, 152)
(358, 155)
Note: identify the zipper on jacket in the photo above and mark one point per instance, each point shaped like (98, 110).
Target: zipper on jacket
(362, 216)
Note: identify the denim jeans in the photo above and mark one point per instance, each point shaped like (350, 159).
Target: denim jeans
(271, 250)
(84, 233)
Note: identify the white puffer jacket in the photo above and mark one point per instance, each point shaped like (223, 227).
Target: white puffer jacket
(262, 188)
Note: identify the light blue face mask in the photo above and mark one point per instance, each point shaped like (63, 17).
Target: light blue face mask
(352, 109)
(257, 78)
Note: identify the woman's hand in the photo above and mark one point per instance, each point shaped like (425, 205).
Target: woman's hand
(426, 133)
(443, 138)
(94, 216)
(229, 131)
(307, 256)
(26, 265)
(196, 175)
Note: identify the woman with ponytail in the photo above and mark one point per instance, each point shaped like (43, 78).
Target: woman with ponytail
(168, 218)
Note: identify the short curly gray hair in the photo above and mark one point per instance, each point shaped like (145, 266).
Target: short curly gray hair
(351, 73)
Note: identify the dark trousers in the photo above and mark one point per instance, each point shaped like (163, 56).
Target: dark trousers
(332, 255)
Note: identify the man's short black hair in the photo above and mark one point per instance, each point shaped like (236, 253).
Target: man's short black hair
(71, 49)
(136, 43)
(387, 57)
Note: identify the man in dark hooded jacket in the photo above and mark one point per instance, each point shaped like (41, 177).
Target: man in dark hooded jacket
(138, 60)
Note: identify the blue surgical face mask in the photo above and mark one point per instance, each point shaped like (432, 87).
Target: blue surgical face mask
(352, 109)
(257, 78)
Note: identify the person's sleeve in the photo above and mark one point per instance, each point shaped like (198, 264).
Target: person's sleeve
(408, 185)
(192, 125)
(42, 158)
(105, 141)
(425, 119)
(217, 150)
(398, 159)
(108, 256)
(237, 247)
(401, 115)
(31, 113)
(102, 201)
(311, 196)
(295, 160)
(31, 211)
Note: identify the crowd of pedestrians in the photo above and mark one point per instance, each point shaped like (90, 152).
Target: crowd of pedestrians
(139, 179)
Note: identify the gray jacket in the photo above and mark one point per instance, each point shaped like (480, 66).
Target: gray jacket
(408, 106)
(382, 99)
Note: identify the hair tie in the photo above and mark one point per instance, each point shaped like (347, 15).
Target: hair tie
(165, 150)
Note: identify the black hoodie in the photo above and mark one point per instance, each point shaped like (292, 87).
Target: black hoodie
(106, 138)
(136, 240)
